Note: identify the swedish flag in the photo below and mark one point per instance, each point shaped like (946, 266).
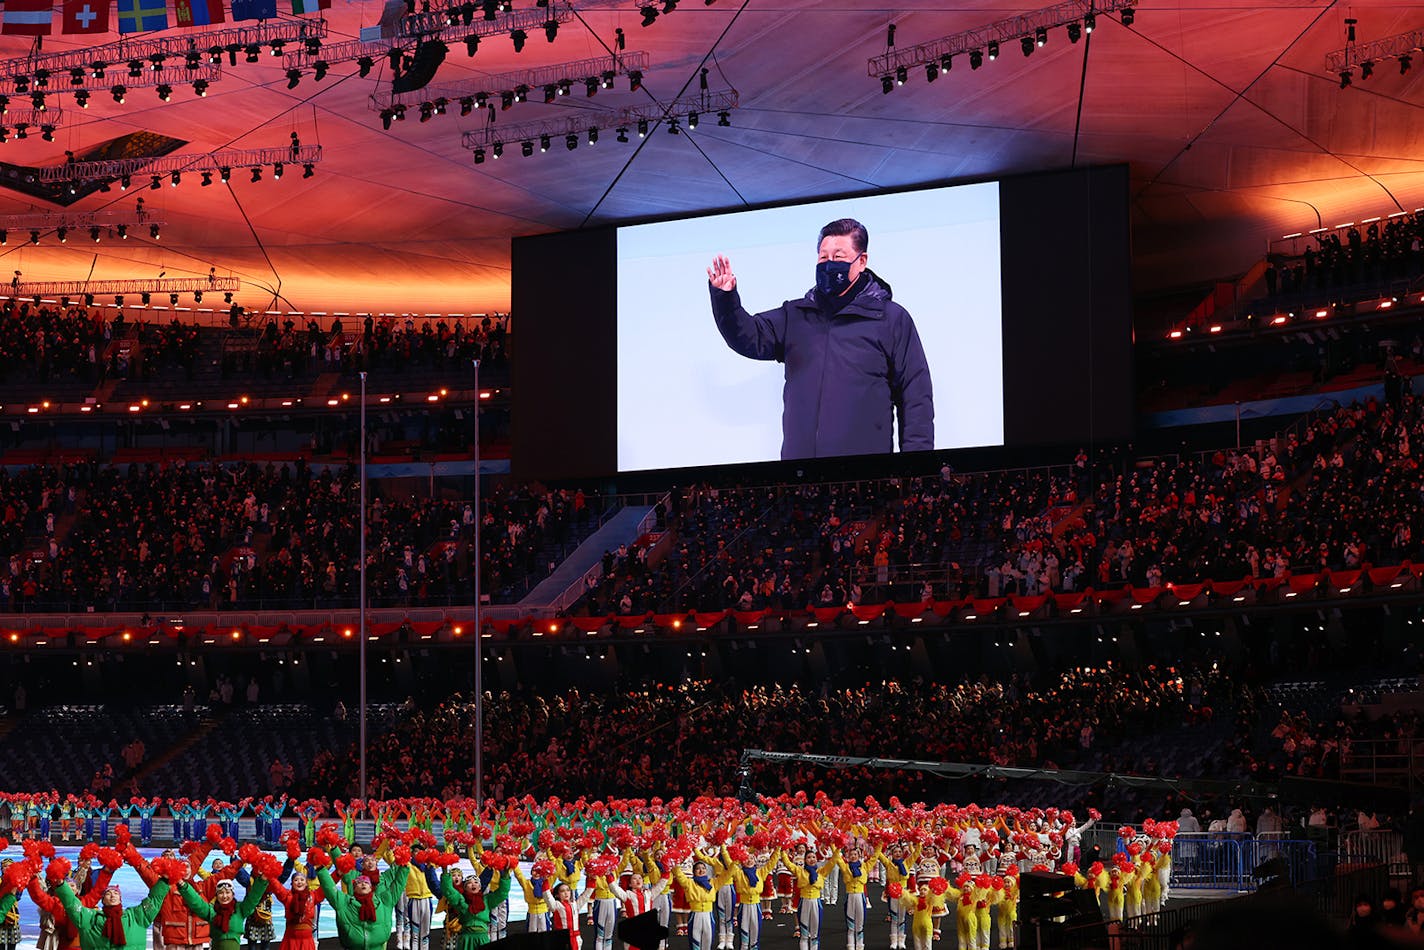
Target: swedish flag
(142, 16)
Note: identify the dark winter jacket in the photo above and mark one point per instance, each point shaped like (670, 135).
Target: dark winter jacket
(845, 373)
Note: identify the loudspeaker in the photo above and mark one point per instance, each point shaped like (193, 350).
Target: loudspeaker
(428, 57)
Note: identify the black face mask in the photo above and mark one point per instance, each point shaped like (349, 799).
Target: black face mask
(832, 278)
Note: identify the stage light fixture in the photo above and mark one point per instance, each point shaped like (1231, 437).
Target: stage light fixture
(63, 235)
(22, 130)
(526, 148)
(674, 127)
(254, 52)
(197, 296)
(200, 88)
(118, 92)
(386, 117)
(1346, 78)
(607, 79)
(277, 170)
(622, 135)
(97, 70)
(993, 50)
(47, 133)
(123, 230)
(551, 30)
(887, 84)
(543, 143)
(135, 69)
(498, 150)
(145, 298)
(1026, 44)
(549, 93)
(724, 119)
(427, 109)
(34, 237)
(76, 76)
(692, 118)
(1405, 61)
(590, 86)
(593, 136)
(294, 77)
(1040, 36)
(1075, 32)
(571, 141)
(520, 38)
(650, 14)
(207, 179)
(521, 93)
(308, 170)
(642, 128)
(37, 101)
(1367, 69)
(124, 183)
(976, 58)
(479, 156)
(635, 80)
(931, 72)
(225, 174)
(256, 174)
(154, 183)
(94, 234)
(176, 179)
(165, 92)
(1128, 16)
(364, 66)
(901, 75)
(467, 105)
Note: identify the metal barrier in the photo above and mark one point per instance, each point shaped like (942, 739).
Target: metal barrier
(1224, 861)
(1380, 846)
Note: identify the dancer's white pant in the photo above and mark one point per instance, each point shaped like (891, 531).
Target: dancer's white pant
(413, 922)
(724, 916)
(855, 910)
(922, 940)
(539, 923)
(809, 917)
(662, 904)
(699, 930)
(899, 924)
(605, 917)
(748, 926)
(499, 921)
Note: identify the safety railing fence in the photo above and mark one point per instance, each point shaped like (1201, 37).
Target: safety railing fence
(1226, 861)
(1378, 846)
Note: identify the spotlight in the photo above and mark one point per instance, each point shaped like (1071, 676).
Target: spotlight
(571, 141)
(98, 70)
(308, 170)
(1346, 78)
(118, 92)
(176, 179)
(76, 76)
(590, 86)
(519, 37)
(564, 87)
(22, 130)
(227, 297)
(1350, 23)
(364, 66)
(551, 30)
(192, 59)
(94, 235)
(506, 101)
(294, 76)
(135, 69)
(702, 80)
(673, 126)
(225, 174)
(34, 237)
(256, 174)
(197, 296)
(890, 36)
(1075, 32)
(63, 235)
(619, 40)
(650, 15)
(155, 183)
(277, 46)
(642, 128)
(467, 105)
(669, 6)
(543, 143)
(1040, 36)
(498, 150)
(320, 68)
(976, 58)
(200, 88)
(608, 78)
(1026, 44)
(1405, 61)
(593, 136)
(622, 135)
(549, 93)
(155, 62)
(47, 133)
(88, 300)
(38, 101)
(931, 72)
(207, 179)
(946, 63)
(386, 116)
(1367, 69)
(1090, 22)
(173, 300)
(692, 120)
(887, 84)
(490, 8)
(427, 109)
(1128, 15)
(124, 183)
(4, 105)
(253, 51)
(724, 119)
(313, 45)
(901, 75)
(123, 230)
(165, 92)
(479, 156)
(993, 50)
(635, 80)
(526, 148)
(277, 170)
(4, 237)
(521, 93)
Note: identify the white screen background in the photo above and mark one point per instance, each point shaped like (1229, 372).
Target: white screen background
(685, 399)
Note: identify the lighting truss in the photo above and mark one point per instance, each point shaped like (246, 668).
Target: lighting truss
(707, 104)
(434, 25)
(123, 288)
(574, 74)
(32, 118)
(1003, 32)
(55, 68)
(73, 220)
(463, 19)
(177, 75)
(1357, 54)
(182, 163)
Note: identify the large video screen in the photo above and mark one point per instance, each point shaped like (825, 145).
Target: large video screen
(1000, 320)
(909, 357)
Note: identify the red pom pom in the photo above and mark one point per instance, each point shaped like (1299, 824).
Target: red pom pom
(1070, 868)
(228, 846)
(938, 885)
(543, 868)
(446, 859)
(4, 844)
(894, 890)
(88, 852)
(318, 858)
(294, 848)
(496, 861)
(122, 836)
(249, 853)
(401, 855)
(1094, 814)
(345, 864)
(214, 834)
(110, 859)
(1126, 832)
(57, 871)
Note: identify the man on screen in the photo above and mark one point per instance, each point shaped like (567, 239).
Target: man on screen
(853, 359)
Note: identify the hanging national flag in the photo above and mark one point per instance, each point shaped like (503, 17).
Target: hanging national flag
(198, 12)
(142, 16)
(85, 16)
(309, 6)
(254, 9)
(28, 17)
